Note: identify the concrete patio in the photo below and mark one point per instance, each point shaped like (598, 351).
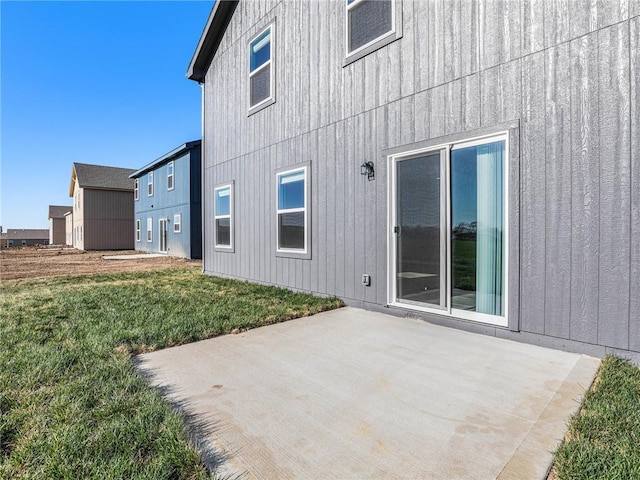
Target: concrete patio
(357, 394)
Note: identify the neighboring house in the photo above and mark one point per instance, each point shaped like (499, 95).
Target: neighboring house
(102, 207)
(168, 214)
(499, 142)
(57, 224)
(3, 240)
(22, 237)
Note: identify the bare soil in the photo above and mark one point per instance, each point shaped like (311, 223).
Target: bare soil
(34, 262)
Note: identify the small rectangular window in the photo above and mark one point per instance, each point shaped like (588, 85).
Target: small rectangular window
(367, 22)
(223, 208)
(170, 176)
(177, 218)
(136, 189)
(292, 210)
(150, 184)
(138, 227)
(149, 230)
(260, 68)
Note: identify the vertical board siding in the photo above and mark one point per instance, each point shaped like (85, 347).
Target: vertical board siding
(634, 308)
(559, 67)
(585, 189)
(558, 192)
(615, 214)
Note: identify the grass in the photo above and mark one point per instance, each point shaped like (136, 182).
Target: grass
(603, 440)
(72, 404)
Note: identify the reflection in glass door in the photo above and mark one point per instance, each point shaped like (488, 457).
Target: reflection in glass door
(419, 231)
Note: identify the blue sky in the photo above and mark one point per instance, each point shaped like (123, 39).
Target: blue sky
(90, 82)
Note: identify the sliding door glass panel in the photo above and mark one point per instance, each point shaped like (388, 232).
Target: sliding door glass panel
(477, 228)
(418, 231)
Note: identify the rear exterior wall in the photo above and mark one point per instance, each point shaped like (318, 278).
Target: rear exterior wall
(564, 75)
(107, 219)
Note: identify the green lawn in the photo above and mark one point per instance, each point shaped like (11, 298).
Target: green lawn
(603, 441)
(71, 403)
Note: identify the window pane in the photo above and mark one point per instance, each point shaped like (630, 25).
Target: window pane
(291, 230)
(260, 50)
(477, 235)
(261, 86)
(223, 231)
(369, 20)
(223, 201)
(291, 190)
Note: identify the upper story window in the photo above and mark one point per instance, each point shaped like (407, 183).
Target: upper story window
(292, 214)
(150, 184)
(261, 69)
(369, 23)
(77, 200)
(136, 189)
(223, 207)
(170, 176)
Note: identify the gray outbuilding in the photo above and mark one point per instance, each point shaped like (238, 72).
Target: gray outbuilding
(475, 163)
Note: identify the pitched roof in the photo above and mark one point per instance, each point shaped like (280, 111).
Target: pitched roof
(27, 234)
(58, 211)
(101, 177)
(210, 39)
(167, 157)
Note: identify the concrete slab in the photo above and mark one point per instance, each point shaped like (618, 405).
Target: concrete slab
(357, 394)
(135, 256)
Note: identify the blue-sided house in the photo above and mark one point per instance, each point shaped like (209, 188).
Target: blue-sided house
(167, 203)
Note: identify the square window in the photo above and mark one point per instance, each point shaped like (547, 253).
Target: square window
(223, 217)
(292, 215)
(369, 22)
(260, 69)
(177, 220)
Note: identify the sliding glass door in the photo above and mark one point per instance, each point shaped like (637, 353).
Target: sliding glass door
(448, 230)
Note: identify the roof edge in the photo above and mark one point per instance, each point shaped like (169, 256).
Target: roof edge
(176, 152)
(210, 39)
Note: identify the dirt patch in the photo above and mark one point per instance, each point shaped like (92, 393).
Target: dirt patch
(34, 262)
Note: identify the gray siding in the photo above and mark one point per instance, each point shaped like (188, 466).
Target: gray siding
(107, 220)
(566, 72)
(57, 234)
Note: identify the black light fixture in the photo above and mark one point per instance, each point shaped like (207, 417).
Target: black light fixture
(367, 169)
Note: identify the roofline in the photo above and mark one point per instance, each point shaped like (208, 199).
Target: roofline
(210, 39)
(175, 153)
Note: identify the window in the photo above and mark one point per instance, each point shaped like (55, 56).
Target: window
(449, 229)
(149, 230)
(150, 184)
(260, 69)
(292, 210)
(77, 200)
(367, 22)
(176, 223)
(80, 232)
(138, 228)
(223, 208)
(136, 189)
(170, 176)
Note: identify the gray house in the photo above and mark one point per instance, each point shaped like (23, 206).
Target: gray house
(473, 163)
(167, 203)
(57, 224)
(23, 237)
(102, 216)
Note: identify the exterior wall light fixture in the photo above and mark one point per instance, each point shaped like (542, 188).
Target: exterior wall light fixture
(367, 169)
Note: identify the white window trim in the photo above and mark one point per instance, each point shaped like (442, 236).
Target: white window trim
(304, 209)
(271, 98)
(149, 230)
(150, 180)
(136, 189)
(230, 216)
(177, 223)
(138, 230)
(496, 320)
(171, 175)
(391, 32)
